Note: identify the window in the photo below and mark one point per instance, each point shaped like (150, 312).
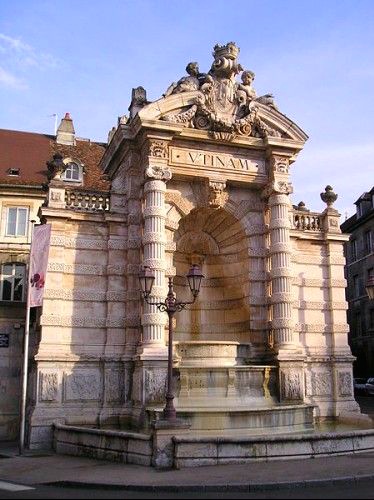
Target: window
(17, 221)
(73, 172)
(354, 249)
(358, 324)
(367, 242)
(12, 285)
(371, 319)
(356, 286)
(13, 172)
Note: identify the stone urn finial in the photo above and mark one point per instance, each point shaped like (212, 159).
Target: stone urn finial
(56, 167)
(329, 197)
(301, 206)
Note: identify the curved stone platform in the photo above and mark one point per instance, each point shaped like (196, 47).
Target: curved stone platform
(191, 451)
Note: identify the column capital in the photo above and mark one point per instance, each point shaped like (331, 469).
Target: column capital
(158, 148)
(275, 187)
(279, 164)
(158, 172)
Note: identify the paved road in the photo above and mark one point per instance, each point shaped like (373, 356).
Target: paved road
(361, 489)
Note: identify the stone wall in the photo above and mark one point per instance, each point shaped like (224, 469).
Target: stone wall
(13, 315)
(80, 369)
(319, 312)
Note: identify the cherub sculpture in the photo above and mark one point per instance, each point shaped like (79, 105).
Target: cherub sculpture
(246, 92)
(246, 86)
(186, 83)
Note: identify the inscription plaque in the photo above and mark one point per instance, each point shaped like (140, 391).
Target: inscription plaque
(221, 161)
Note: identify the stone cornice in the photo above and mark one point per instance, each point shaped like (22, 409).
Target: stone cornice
(71, 214)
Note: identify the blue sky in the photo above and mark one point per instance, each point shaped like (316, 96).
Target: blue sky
(85, 56)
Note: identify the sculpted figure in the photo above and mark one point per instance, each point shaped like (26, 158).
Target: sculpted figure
(246, 87)
(223, 106)
(186, 83)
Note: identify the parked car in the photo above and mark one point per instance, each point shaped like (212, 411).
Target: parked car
(359, 385)
(369, 386)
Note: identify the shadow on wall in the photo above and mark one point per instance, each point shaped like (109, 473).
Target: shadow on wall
(80, 376)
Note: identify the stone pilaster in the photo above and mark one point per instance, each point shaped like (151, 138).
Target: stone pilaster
(133, 304)
(285, 343)
(341, 357)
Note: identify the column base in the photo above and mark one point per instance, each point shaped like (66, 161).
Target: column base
(163, 448)
(152, 352)
(149, 383)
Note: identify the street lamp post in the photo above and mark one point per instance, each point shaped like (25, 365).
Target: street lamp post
(170, 305)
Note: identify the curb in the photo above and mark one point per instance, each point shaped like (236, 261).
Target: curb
(234, 487)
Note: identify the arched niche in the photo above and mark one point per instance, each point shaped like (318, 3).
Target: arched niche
(215, 240)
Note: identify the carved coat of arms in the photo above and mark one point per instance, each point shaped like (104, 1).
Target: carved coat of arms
(223, 106)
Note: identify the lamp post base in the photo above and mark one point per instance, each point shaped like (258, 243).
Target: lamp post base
(169, 412)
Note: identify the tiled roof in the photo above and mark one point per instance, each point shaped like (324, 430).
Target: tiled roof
(29, 152)
(89, 153)
(26, 151)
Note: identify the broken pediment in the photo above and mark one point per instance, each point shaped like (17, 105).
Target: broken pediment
(219, 104)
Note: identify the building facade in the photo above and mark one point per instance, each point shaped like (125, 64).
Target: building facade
(359, 253)
(24, 177)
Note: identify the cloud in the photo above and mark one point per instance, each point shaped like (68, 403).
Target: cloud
(21, 56)
(11, 81)
(14, 43)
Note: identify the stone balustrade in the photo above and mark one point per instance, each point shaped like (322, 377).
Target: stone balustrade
(307, 221)
(86, 201)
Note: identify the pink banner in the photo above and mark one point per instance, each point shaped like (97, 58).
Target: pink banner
(38, 263)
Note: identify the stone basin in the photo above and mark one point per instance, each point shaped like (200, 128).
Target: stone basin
(206, 353)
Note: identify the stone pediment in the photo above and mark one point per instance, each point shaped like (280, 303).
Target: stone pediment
(181, 110)
(219, 104)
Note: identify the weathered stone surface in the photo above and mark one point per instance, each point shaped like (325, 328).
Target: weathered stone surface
(199, 177)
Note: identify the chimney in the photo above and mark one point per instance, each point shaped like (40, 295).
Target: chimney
(66, 132)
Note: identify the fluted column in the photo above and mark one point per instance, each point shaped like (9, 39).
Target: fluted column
(154, 241)
(277, 192)
(289, 356)
(281, 275)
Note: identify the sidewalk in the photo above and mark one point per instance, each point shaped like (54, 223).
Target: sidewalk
(45, 468)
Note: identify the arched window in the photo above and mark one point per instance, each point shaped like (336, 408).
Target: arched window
(73, 172)
(12, 284)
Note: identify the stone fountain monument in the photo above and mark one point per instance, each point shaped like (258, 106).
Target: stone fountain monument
(200, 176)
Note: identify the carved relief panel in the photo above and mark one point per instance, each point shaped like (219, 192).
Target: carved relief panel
(49, 386)
(291, 384)
(318, 383)
(345, 383)
(155, 385)
(82, 385)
